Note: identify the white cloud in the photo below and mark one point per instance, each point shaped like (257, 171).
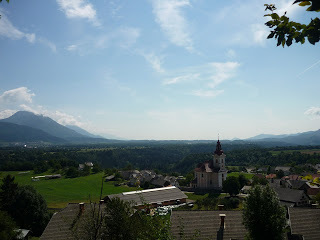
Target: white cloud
(79, 9)
(48, 44)
(183, 78)
(58, 116)
(222, 72)
(8, 30)
(7, 113)
(231, 53)
(207, 93)
(260, 33)
(313, 112)
(169, 16)
(72, 47)
(154, 60)
(17, 95)
(124, 37)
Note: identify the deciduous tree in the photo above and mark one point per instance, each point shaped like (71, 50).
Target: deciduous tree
(285, 31)
(263, 216)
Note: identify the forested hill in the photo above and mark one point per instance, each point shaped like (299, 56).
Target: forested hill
(166, 158)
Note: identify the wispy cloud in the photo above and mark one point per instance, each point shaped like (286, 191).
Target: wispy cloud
(123, 37)
(17, 95)
(203, 80)
(259, 33)
(308, 68)
(222, 72)
(7, 29)
(48, 44)
(183, 78)
(313, 112)
(231, 53)
(79, 9)
(154, 60)
(169, 16)
(7, 113)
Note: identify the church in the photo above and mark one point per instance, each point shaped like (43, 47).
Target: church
(211, 174)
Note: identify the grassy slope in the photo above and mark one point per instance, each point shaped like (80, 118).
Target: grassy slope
(305, 151)
(59, 192)
(236, 174)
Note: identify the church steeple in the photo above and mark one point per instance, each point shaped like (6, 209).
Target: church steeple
(218, 150)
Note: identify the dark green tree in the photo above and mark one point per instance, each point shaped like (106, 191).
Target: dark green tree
(7, 227)
(123, 222)
(280, 174)
(8, 191)
(242, 180)
(263, 216)
(72, 172)
(285, 31)
(29, 210)
(231, 185)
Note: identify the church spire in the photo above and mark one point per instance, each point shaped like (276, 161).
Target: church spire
(218, 150)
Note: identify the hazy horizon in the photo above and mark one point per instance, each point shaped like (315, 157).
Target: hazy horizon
(158, 69)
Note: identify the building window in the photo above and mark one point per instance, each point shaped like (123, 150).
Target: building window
(201, 174)
(216, 160)
(222, 160)
(210, 182)
(222, 175)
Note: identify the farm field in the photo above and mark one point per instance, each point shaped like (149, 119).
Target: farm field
(236, 174)
(59, 192)
(304, 151)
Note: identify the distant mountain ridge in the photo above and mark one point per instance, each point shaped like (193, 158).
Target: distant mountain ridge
(305, 138)
(43, 123)
(10, 132)
(82, 131)
(48, 126)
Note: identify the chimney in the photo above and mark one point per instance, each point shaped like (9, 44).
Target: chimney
(101, 201)
(220, 207)
(81, 207)
(222, 217)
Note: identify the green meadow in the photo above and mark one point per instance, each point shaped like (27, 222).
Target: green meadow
(236, 174)
(59, 192)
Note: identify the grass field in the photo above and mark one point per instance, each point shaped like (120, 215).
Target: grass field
(236, 174)
(305, 151)
(59, 192)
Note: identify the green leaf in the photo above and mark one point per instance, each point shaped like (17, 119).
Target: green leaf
(304, 3)
(274, 16)
(271, 35)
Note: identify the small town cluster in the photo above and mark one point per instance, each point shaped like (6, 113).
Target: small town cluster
(167, 197)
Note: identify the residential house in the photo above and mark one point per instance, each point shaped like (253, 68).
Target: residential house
(286, 170)
(310, 189)
(292, 197)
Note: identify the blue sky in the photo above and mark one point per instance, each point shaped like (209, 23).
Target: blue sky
(157, 69)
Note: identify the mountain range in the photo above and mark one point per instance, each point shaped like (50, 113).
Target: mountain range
(25, 127)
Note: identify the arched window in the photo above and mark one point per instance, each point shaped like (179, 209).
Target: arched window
(216, 160)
